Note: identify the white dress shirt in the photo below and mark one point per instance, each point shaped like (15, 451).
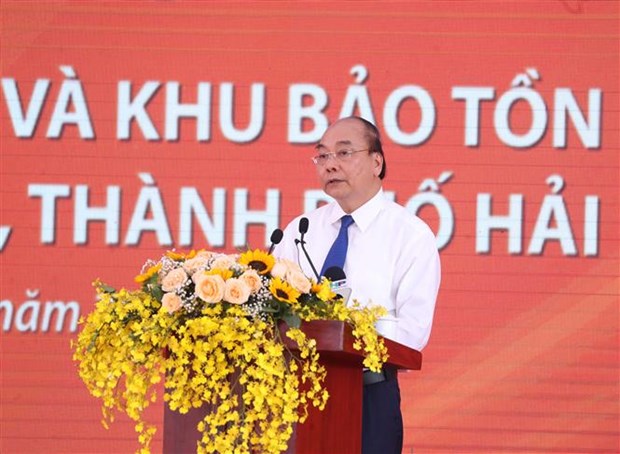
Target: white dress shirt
(392, 260)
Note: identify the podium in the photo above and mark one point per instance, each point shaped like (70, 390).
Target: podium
(336, 429)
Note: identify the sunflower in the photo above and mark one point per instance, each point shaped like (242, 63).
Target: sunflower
(283, 291)
(148, 274)
(258, 260)
(174, 255)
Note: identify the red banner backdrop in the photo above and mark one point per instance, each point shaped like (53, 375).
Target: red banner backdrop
(131, 128)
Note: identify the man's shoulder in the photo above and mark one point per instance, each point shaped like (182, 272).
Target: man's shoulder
(323, 210)
(399, 215)
(313, 215)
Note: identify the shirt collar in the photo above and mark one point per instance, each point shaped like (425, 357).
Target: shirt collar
(364, 215)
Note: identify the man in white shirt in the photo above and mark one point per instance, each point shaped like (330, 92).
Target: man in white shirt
(391, 259)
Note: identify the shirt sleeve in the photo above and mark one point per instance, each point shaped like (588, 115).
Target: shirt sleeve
(417, 290)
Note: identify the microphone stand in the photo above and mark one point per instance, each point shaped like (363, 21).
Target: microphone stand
(303, 248)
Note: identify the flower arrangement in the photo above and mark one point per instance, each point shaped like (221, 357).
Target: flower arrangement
(210, 326)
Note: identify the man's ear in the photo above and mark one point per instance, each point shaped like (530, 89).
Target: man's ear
(378, 164)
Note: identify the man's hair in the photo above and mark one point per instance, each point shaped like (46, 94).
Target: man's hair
(374, 142)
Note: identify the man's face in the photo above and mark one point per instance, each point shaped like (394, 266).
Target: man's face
(354, 180)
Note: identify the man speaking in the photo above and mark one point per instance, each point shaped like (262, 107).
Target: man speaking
(388, 255)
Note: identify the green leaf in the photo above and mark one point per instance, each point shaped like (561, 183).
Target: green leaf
(107, 289)
(292, 320)
(273, 306)
(157, 293)
(152, 280)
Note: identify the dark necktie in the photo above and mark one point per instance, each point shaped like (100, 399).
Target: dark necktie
(338, 252)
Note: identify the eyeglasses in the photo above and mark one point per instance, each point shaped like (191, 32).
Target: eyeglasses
(340, 155)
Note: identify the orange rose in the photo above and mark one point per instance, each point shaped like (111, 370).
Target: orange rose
(282, 267)
(171, 302)
(210, 288)
(299, 281)
(252, 280)
(223, 261)
(195, 264)
(236, 291)
(174, 280)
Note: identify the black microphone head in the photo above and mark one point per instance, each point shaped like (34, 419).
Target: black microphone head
(276, 236)
(303, 225)
(335, 273)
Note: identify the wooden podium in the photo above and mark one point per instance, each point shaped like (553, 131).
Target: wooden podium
(336, 429)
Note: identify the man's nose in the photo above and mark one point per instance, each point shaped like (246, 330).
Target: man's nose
(331, 163)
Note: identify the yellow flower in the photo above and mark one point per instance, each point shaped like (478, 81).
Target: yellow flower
(224, 273)
(174, 255)
(130, 343)
(283, 291)
(323, 290)
(258, 260)
(141, 278)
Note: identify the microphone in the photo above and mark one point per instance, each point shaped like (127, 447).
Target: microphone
(338, 280)
(303, 229)
(276, 237)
